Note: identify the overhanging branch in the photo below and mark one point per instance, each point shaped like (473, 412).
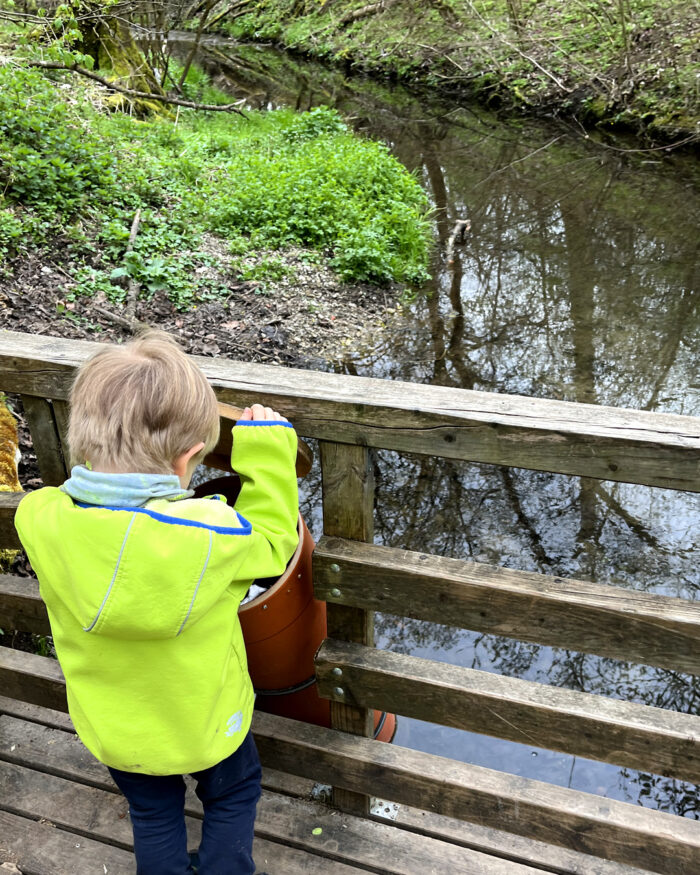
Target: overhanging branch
(137, 95)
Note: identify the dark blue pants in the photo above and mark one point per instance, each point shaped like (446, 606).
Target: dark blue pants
(229, 792)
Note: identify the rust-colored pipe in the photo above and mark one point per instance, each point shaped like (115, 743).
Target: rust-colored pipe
(283, 628)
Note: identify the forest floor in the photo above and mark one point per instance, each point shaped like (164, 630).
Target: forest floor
(269, 237)
(307, 318)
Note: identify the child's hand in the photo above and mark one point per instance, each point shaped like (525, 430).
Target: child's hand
(258, 412)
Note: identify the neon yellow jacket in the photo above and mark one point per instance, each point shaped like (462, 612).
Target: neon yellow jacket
(143, 606)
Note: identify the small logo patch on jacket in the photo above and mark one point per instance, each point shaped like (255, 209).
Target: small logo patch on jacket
(233, 724)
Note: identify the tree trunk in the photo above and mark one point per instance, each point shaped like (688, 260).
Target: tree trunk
(115, 53)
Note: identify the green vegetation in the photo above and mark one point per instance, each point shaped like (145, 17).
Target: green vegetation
(625, 62)
(75, 172)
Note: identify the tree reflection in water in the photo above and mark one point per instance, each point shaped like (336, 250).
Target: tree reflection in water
(578, 281)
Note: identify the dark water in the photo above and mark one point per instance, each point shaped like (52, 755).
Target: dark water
(578, 281)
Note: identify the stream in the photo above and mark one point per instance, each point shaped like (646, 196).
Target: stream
(578, 281)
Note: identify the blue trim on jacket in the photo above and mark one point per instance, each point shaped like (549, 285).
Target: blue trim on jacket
(246, 527)
(263, 422)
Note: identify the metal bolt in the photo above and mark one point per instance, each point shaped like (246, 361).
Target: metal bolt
(335, 592)
(335, 568)
(338, 672)
(339, 691)
(264, 607)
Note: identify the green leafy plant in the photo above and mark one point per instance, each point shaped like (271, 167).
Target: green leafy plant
(46, 159)
(315, 123)
(264, 182)
(11, 233)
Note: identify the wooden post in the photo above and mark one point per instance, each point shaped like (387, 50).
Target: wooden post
(46, 440)
(348, 505)
(60, 412)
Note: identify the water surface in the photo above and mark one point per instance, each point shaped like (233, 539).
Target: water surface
(578, 281)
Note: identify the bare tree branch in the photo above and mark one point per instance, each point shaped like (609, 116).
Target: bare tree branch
(137, 95)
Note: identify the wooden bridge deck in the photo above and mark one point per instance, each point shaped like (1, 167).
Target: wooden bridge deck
(60, 814)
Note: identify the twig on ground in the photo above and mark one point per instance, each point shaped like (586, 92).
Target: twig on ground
(134, 287)
(132, 325)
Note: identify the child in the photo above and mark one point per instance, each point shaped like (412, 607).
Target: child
(142, 583)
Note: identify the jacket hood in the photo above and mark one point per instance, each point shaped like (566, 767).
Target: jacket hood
(127, 581)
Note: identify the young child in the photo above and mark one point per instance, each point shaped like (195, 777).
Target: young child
(142, 583)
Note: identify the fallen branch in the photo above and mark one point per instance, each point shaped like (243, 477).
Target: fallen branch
(138, 95)
(458, 235)
(365, 12)
(134, 287)
(132, 325)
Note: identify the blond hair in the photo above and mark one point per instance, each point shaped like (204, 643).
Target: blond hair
(138, 407)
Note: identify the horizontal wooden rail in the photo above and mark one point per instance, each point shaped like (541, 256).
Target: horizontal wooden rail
(9, 539)
(593, 618)
(594, 825)
(21, 606)
(34, 679)
(580, 439)
(603, 827)
(596, 727)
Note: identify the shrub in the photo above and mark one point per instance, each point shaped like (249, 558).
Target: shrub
(315, 123)
(11, 232)
(47, 158)
(327, 190)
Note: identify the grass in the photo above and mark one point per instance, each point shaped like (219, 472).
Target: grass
(75, 173)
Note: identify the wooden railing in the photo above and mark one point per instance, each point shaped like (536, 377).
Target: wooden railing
(350, 415)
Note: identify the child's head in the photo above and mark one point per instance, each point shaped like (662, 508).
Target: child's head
(140, 406)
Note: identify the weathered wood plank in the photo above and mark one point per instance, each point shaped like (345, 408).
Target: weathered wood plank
(625, 733)
(21, 606)
(348, 511)
(344, 839)
(88, 811)
(61, 412)
(34, 679)
(276, 857)
(44, 850)
(379, 847)
(9, 540)
(38, 714)
(540, 434)
(100, 815)
(593, 618)
(590, 824)
(601, 827)
(47, 444)
(37, 746)
(508, 846)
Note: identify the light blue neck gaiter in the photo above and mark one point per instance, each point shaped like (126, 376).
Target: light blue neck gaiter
(121, 490)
